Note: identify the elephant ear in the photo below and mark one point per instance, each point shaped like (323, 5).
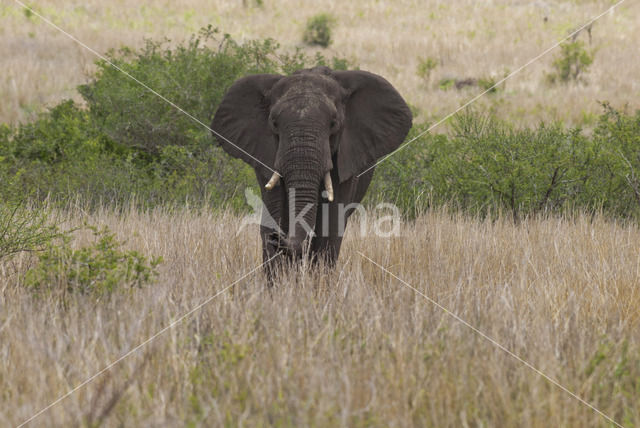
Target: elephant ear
(377, 120)
(241, 122)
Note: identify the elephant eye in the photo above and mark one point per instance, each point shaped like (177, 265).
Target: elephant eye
(274, 123)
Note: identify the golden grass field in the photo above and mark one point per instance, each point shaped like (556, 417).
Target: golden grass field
(353, 347)
(468, 39)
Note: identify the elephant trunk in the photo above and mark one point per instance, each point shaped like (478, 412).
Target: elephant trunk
(302, 168)
(303, 203)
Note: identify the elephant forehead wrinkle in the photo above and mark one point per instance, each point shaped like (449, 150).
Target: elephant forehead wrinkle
(303, 104)
(321, 85)
(307, 154)
(301, 132)
(306, 96)
(301, 138)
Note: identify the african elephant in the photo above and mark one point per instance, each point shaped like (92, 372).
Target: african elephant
(314, 129)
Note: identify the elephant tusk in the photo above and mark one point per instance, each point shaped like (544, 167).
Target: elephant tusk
(273, 182)
(328, 186)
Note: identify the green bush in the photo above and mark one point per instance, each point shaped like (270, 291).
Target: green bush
(405, 178)
(130, 145)
(573, 61)
(194, 76)
(446, 83)
(181, 156)
(487, 166)
(496, 167)
(488, 84)
(425, 67)
(24, 228)
(318, 30)
(64, 155)
(98, 268)
(614, 179)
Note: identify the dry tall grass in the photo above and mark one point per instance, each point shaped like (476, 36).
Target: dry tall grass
(350, 347)
(468, 39)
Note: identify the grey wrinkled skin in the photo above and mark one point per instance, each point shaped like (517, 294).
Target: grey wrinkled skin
(302, 126)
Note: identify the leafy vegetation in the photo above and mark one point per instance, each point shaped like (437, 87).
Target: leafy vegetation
(24, 228)
(130, 146)
(97, 268)
(100, 267)
(488, 84)
(487, 166)
(446, 83)
(571, 63)
(318, 30)
(425, 67)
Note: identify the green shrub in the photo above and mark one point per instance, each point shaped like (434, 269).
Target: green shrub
(130, 145)
(28, 12)
(24, 228)
(100, 268)
(573, 61)
(488, 166)
(183, 162)
(497, 167)
(256, 3)
(406, 178)
(64, 155)
(194, 76)
(318, 30)
(446, 83)
(425, 67)
(488, 84)
(614, 180)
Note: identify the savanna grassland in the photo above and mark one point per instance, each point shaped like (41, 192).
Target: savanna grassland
(528, 233)
(466, 39)
(353, 347)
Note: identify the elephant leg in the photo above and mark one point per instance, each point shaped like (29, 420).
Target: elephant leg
(332, 218)
(328, 239)
(273, 223)
(326, 249)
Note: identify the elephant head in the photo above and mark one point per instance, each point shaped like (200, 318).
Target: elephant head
(300, 130)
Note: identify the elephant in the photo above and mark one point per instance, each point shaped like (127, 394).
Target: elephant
(316, 128)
